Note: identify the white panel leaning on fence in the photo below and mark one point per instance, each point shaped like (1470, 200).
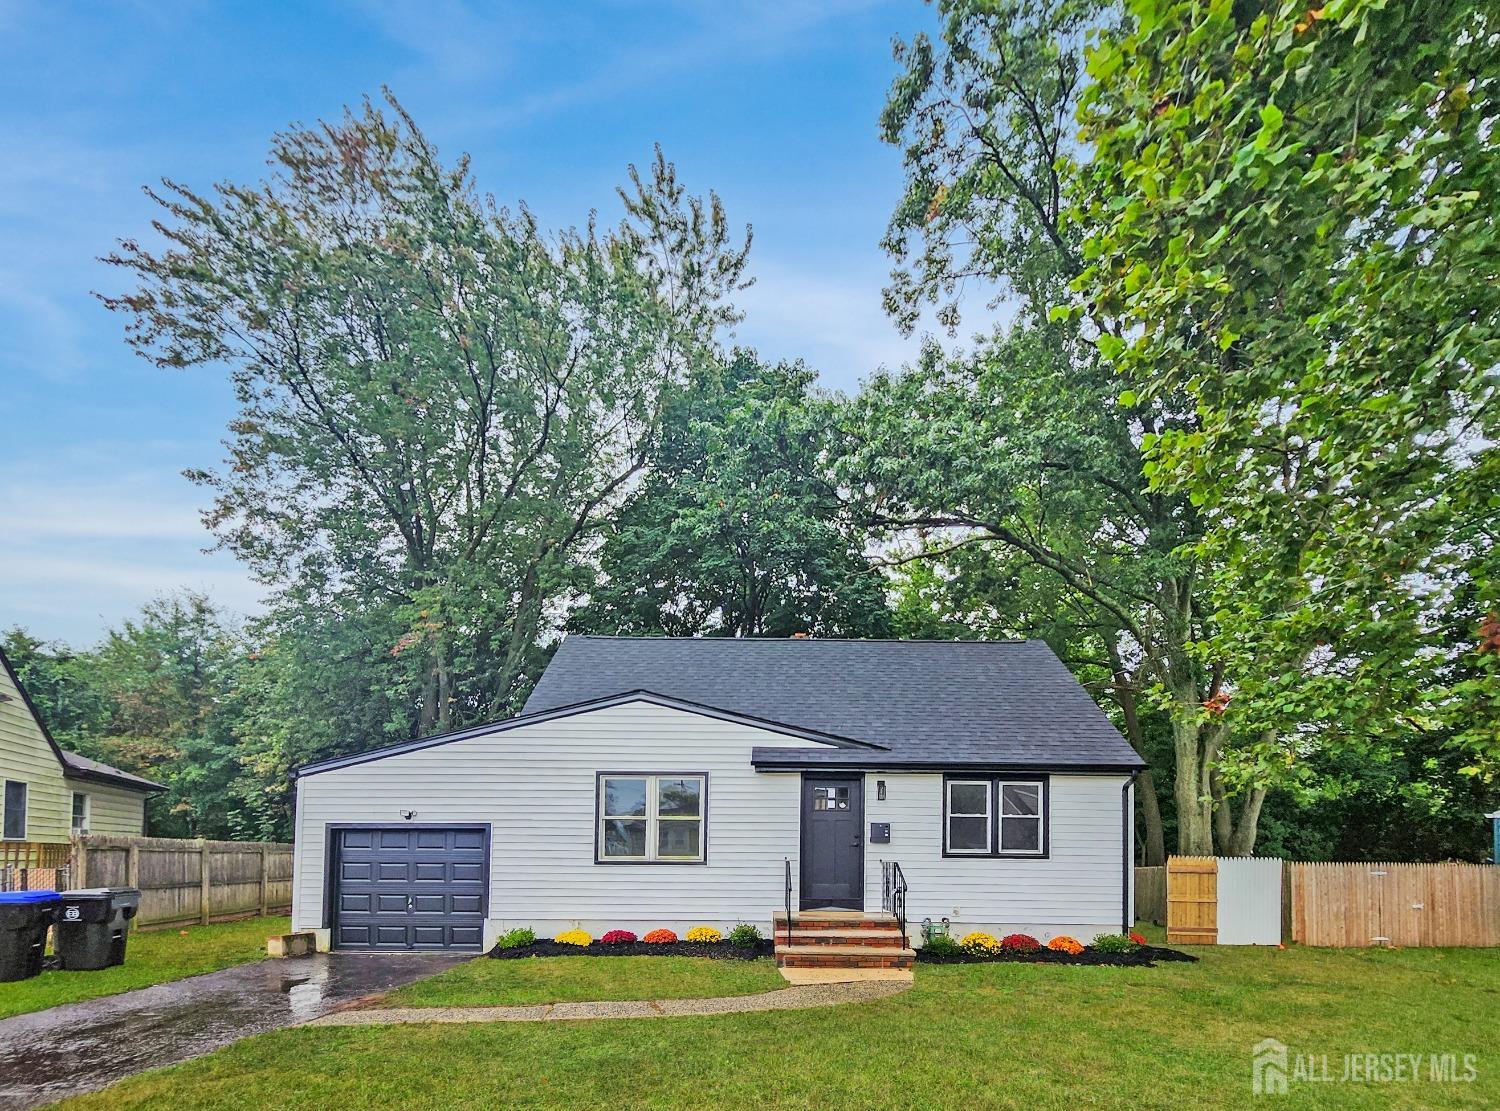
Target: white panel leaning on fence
(1249, 900)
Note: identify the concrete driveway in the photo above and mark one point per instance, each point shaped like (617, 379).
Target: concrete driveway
(80, 1047)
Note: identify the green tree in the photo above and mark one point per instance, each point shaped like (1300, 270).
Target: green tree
(738, 530)
(439, 403)
(1021, 446)
(1291, 222)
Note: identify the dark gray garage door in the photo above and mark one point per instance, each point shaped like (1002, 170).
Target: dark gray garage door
(410, 888)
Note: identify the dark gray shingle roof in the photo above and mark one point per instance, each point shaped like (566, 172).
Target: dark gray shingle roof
(82, 766)
(928, 703)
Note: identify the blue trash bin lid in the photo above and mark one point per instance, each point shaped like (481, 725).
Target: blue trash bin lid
(28, 896)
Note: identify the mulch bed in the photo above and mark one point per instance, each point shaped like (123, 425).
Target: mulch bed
(1147, 956)
(718, 950)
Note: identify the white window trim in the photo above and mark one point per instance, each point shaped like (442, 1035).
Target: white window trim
(989, 818)
(1040, 817)
(88, 811)
(652, 818)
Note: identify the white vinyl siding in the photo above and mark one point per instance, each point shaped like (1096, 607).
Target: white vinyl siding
(536, 786)
(26, 757)
(112, 810)
(1075, 890)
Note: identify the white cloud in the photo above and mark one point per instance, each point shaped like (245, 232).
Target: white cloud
(86, 545)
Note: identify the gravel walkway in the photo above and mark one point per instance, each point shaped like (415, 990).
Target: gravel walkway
(784, 999)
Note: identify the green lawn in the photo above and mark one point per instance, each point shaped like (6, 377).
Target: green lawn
(151, 957)
(964, 1036)
(490, 983)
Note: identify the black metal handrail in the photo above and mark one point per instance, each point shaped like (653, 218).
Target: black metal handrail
(893, 893)
(788, 862)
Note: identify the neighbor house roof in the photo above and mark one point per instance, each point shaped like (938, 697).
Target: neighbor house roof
(927, 704)
(73, 765)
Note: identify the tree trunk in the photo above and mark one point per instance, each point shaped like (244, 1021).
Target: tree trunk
(1223, 819)
(1194, 820)
(1124, 690)
(1243, 841)
(1145, 793)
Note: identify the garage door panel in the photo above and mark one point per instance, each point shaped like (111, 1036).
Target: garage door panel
(411, 889)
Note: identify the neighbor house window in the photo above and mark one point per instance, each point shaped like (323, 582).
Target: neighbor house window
(15, 810)
(645, 818)
(80, 812)
(995, 817)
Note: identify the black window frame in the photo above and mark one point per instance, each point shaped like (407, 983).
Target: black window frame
(995, 781)
(650, 860)
(5, 833)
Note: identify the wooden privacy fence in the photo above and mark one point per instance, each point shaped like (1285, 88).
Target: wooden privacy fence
(1192, 900)
(1151, 895)
(1357, 904)
(184, 881)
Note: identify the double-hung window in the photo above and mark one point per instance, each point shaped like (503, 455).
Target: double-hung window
(994, 816)
(80, 812)
(15, 810)
(651, 818)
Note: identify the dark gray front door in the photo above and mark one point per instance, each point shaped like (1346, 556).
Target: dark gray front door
(412, 888)
(833, 850)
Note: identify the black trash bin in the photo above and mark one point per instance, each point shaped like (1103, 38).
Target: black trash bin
(24, 918)
(92, 926)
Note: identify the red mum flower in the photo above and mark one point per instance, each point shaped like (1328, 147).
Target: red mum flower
(617, 937)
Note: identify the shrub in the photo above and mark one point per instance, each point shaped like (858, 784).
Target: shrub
(1139, 939)
(521, 935)
(617, 937)
(1114, 943)
(941, 945)
(573, 937)
(1020, 943)
(660, 937)
(980, 944)
(744, 936)
(1062, 943)
(705, 934)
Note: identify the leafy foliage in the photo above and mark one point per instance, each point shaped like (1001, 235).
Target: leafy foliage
(438, 401)
(744, 936)
(516, 938)
(737, 530)
(1291, 223)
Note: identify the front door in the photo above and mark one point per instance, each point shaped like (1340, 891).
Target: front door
(833, 850)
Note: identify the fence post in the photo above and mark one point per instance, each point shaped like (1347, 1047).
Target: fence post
(265, 882)
(81, 880)
(204, 890)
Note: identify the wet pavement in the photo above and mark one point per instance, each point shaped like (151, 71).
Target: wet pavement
(81, 1047)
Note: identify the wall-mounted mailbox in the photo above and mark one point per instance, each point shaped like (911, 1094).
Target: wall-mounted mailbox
(880, 833)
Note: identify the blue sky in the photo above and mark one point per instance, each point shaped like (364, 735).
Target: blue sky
(774, 105)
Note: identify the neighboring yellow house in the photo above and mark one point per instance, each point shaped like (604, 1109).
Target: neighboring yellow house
(50, 793)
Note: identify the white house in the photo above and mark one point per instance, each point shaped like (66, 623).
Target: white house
(673, 782)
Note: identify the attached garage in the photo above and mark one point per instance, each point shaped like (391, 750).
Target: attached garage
(409, 887)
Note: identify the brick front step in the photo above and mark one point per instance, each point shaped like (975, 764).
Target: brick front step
(835, 920)
(843, 956)
(888, 938)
